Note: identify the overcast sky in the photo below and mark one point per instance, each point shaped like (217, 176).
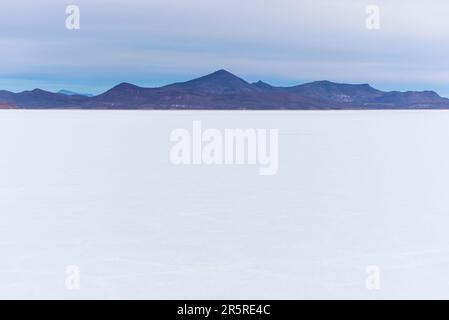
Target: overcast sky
(285, 42)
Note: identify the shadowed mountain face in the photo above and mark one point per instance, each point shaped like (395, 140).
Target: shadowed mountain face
(223, 90)
(6, 106)
(344, 93)
(39, 99)
(219, 82)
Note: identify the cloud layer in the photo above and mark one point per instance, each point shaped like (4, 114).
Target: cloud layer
(283, 41)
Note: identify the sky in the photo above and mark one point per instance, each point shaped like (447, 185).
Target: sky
(283, 42)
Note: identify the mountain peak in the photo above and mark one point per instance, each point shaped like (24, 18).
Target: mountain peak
(221, 74)
(125, 85)
(335, 86)
(37, 90)
(325, 84)
(263, 85)
(431, 93)
(120, 90)
(220, 81)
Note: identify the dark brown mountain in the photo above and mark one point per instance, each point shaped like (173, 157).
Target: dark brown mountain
(223, 90)
(6, 106)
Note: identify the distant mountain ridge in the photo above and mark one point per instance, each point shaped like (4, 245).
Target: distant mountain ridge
(225, 91)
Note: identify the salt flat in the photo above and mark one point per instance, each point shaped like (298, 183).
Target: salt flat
(97, 190)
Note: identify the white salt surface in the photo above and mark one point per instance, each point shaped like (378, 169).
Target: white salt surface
(96, 189)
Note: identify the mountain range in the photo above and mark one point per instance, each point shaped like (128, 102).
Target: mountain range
(224, 90)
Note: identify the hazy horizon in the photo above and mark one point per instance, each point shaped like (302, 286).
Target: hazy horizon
(118, 83)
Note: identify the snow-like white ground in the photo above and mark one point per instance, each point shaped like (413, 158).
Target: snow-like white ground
(96, 189)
